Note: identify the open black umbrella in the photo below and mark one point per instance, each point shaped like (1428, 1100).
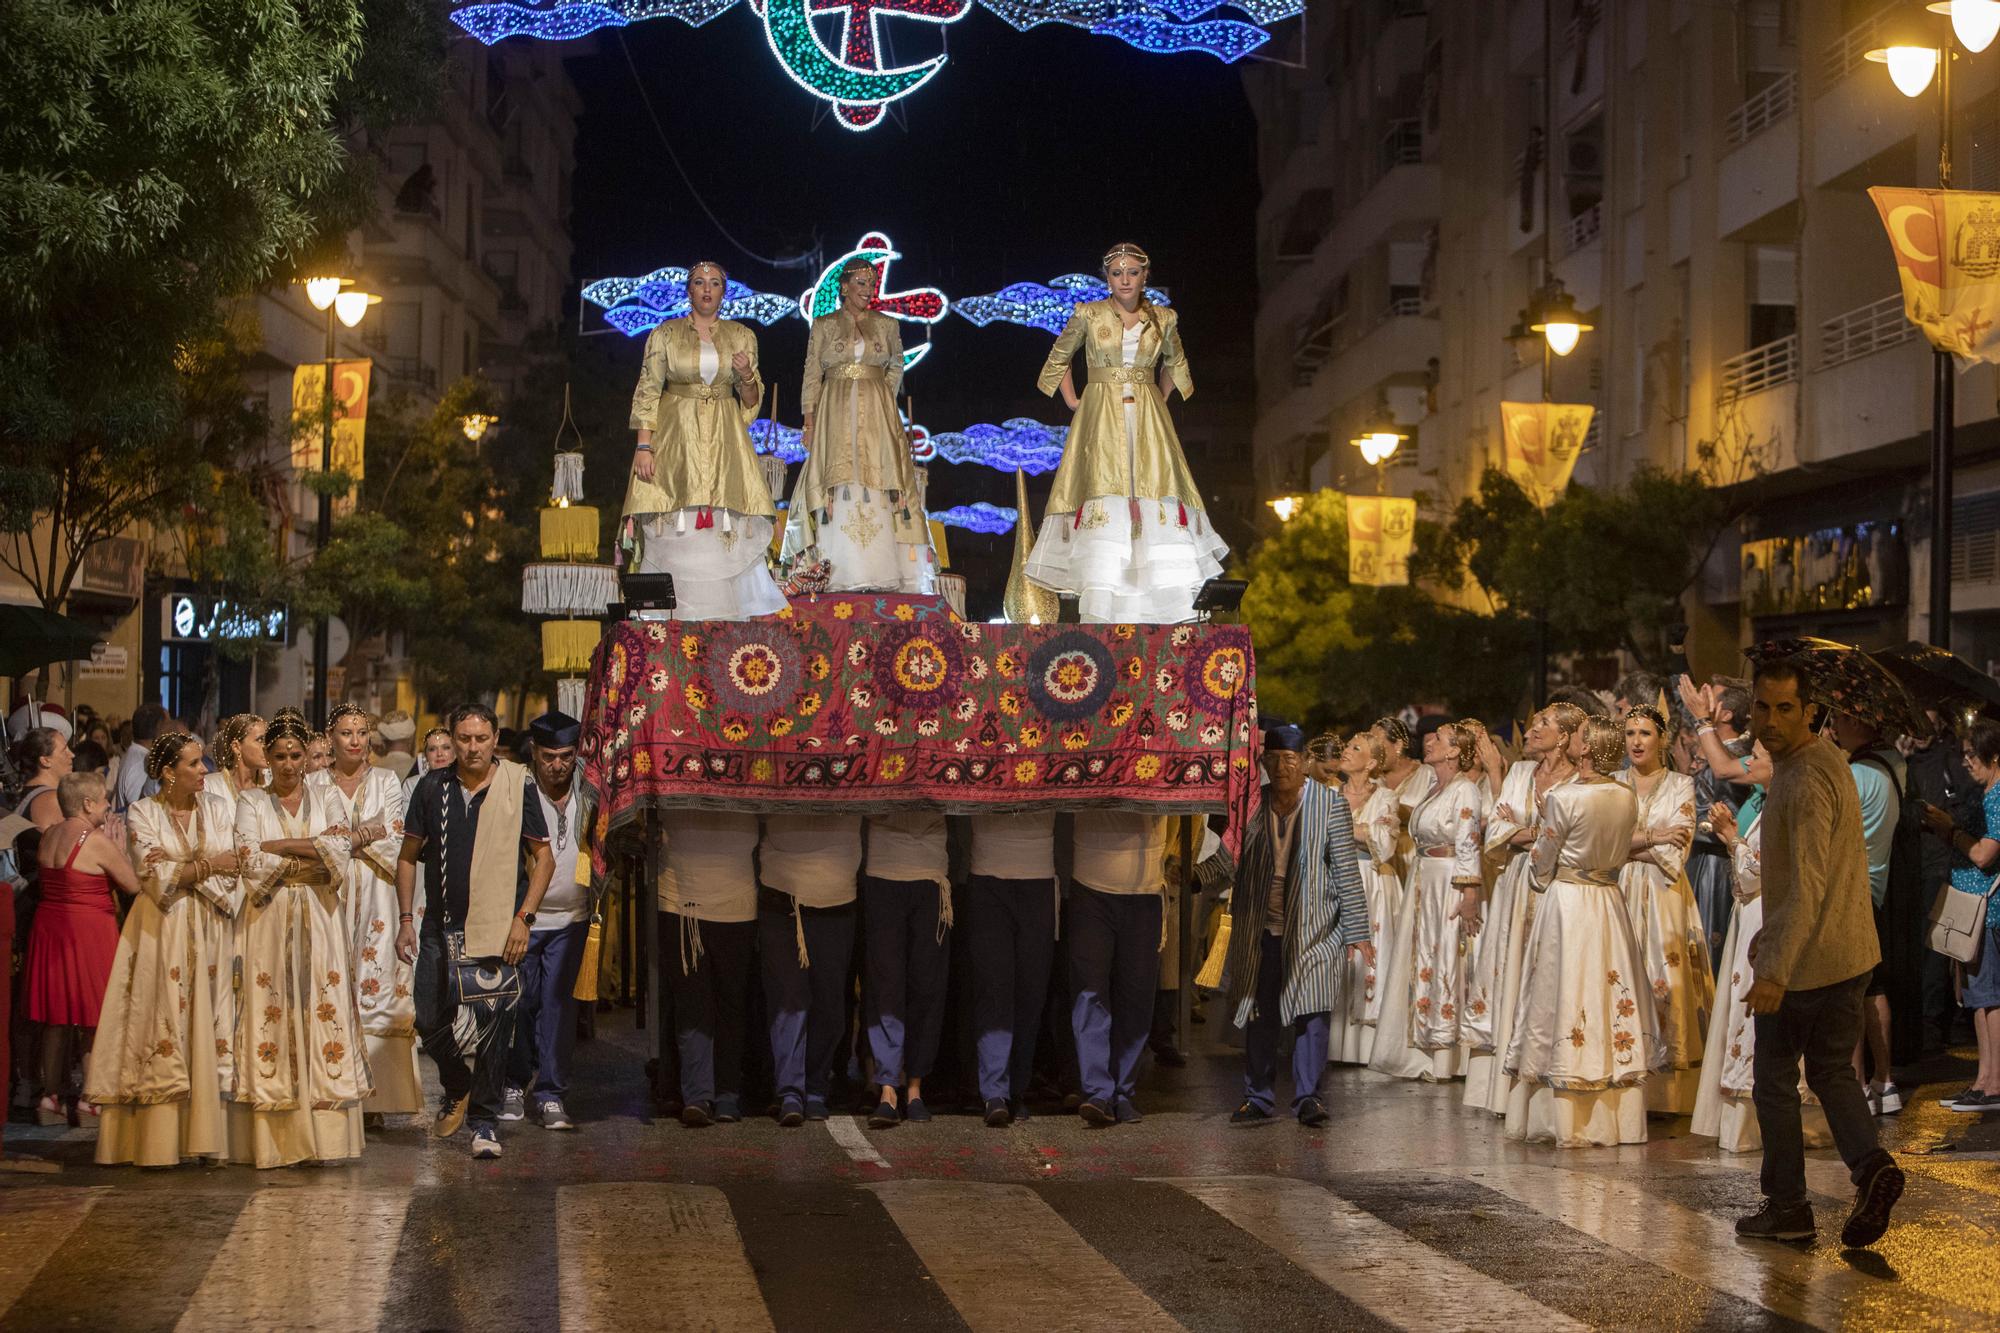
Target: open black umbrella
(31, 637)
(1943, 680)
(1848, 680)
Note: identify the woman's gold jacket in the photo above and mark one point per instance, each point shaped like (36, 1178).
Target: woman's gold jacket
(701, 448)
(858, 436)
(1097, 459)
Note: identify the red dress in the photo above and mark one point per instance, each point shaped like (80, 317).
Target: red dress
(70, 947)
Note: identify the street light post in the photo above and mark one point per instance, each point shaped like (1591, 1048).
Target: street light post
(333, 296)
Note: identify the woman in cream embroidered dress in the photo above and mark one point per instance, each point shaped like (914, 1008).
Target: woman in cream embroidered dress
(157, 1071)
(1493, 979)
(1584, 1040)
(239, 757)
(367, 803)
(1124, 532)
(696, 506)
(1395, 985)
(1666, 921)
(301, 1073)
(1377, 827)
(858, 500)
(1447, 831)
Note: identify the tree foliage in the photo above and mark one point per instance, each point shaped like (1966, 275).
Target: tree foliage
(158, 159)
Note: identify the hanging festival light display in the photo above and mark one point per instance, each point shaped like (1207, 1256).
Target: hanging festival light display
(634, 305)
(918, 305)
(978, 516)
(848, 72)
(1019, 442)
(1045, 306)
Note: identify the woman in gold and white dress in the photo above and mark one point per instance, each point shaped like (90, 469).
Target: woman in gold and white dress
(302, 1072)
(696, 506)
(1124, 532)
(858, 501)
(1395, 975)
(367, 802)
(1493, 976)
(1666, 920)
(1448, 832)
(239, 757)
(159, 1064)
(1584, 1041)
(1377, 828)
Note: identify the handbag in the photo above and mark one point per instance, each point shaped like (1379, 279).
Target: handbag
(490, 983)
(1958, 922)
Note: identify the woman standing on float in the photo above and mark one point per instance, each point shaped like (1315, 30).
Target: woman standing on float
(858, 501)
(1125, 532)
(696, 506)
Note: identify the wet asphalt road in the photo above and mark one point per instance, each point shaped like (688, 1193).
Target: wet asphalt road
(1407, 1211)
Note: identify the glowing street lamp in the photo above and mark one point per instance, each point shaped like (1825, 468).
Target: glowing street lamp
(351, 306)
(1285, 506)
(476, 424)
(1974, 22)
(1379, 438)
(322, 291)
(1557, 320)
(1910, 67)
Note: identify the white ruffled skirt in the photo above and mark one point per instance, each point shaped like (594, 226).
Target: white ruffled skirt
(720, 572)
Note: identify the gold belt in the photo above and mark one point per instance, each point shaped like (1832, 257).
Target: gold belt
(701, 393)
(1120, 375)
(849, 370)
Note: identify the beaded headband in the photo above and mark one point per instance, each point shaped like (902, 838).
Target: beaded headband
(1126, 252)
(165, 752)
(288, 726)
(346, 710)
(720, 271)
(1651, 714)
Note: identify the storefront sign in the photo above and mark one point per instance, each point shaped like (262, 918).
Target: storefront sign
(194, 618)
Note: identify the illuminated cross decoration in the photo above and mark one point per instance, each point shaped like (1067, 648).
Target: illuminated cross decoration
(861, 38)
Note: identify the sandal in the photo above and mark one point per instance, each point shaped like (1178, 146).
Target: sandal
(49, 1111)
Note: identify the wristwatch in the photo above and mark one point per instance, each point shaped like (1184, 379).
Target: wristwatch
(525, 918)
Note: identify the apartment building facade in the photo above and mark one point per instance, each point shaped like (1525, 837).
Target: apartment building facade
(1707, 171)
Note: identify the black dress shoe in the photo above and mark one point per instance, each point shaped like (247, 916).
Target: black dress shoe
(916, 1112)
(997, 1114)
(1777, 1222)
(1128, 1114)
(1313, 1113)
(1247, 1114)
(1169, 1055)
(1095, 1115)
(884, 1116)
(791, 1115)
(697, 1115)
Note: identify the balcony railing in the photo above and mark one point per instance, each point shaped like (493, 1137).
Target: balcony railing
(1864, 330)
(409, 368)
(1850, 52)
(1403, 145)
(1761, 368)
(1584, 228)
(1764, 110)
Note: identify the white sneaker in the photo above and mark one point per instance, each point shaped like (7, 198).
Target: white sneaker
(1869, 1091)
(514, 1104)
(1889, 1100)
(485, 1143)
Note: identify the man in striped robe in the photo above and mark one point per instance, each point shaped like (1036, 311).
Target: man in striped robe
(1297, 907)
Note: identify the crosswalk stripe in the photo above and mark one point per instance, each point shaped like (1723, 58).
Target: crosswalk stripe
(846, 1131)
(1378, 1267)
(1704, 1248)
(639, 1255)
(1007, 1261)
(261, 1278)
(34, 1224)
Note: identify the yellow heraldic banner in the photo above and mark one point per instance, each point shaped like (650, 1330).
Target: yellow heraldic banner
(1380, 529)
(1541, 441)
(350, 420)
(1947, 245)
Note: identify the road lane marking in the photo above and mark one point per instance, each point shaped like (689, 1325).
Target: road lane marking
(635, 1255)
(34, 1224)
(846, 1131)
(1393, 1277)
(305, 1251)
(1007, 1261)
(1704, 1248)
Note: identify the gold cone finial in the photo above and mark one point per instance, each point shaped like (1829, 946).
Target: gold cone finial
(1026, 602)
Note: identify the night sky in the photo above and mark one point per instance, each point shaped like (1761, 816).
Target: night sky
(1024, 158)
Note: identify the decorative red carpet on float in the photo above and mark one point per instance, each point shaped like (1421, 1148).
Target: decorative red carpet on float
(860, 702)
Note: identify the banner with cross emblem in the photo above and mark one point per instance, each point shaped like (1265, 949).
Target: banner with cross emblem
(1380, 531)
(1540, 442)
(1947, 245)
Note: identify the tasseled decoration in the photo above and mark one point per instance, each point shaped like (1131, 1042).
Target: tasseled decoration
(799, 929)
(569, 477)
(680, 522)
(728, 521)
(704, 519)
(1133, 506)
(690, 942)
(570, 694)
(1183, 509)
(1077, 522)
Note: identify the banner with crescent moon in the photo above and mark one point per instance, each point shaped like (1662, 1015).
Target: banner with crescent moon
(1540, 442)
(1380, 529)
(1947, 245)
(350, 421)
